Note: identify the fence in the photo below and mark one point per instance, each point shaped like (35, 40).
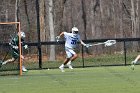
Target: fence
(122, 53)
(125, 50)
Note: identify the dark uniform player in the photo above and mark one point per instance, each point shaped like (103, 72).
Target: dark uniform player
(15, 49)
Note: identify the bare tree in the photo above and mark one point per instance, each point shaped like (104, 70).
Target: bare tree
(135, 19)
(16, 9)
(52, 34)
(96, 19)
(42, 20)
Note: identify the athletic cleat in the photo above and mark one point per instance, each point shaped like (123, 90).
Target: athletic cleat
(24, 69)
(132, 65)
(62, 69)
(70, 66)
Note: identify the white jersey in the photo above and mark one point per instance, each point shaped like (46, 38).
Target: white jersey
(71, 39)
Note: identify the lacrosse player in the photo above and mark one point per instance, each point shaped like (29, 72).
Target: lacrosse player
(15, 49)
(134, 62)
(71, 40)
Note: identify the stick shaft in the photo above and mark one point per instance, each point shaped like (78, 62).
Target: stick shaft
(5, 56)
(97, 44)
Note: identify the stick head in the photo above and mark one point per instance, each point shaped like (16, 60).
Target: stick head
(110, 42)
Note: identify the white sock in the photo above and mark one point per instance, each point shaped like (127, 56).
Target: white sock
(135, 61)
(62, 66)
(69, 63)
(23, 66)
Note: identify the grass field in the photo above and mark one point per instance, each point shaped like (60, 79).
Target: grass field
(115, 79)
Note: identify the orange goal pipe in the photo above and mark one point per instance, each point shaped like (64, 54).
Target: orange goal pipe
(20, 51)
(4, 23)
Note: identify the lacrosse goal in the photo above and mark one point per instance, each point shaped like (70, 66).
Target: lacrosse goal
(7, 31)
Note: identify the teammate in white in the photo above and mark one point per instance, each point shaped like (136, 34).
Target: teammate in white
(71, 40)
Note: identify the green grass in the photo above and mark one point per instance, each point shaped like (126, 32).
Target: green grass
(115, 79)
(104, 59)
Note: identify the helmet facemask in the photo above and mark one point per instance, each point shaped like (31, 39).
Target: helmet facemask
(22, 34)
(75, 30)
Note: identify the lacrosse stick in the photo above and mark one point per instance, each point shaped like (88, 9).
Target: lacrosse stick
(107, 43)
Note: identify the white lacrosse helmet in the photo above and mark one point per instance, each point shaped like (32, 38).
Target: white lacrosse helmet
(75, 30)
(22, 34)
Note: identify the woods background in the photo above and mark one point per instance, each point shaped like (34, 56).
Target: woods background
(95, 19)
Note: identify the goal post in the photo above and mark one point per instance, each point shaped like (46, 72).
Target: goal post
(7, 31)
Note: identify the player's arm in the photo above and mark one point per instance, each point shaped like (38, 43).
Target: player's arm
(82, 43)
(86, 45)
(23, 44)
(59, 36)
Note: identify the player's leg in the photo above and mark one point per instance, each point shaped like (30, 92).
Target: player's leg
(23, 67)
(69, 64)
(69, 55)
(74, 56)
(8, 61)
(134, 62)
(14, 54)
(63, 65)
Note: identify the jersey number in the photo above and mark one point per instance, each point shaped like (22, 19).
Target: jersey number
(73, 42)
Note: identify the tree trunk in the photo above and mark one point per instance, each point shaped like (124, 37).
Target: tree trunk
(42, 26)
(16, 10)
(134, 22)
(133, 18)
(120, 19)
(137, 18)
(51, 26)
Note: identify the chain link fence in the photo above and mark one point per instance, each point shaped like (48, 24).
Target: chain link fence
(120, 54)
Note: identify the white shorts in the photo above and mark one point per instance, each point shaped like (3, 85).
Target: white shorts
(69, 52)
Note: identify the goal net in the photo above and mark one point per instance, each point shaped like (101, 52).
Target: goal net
(8, 30)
